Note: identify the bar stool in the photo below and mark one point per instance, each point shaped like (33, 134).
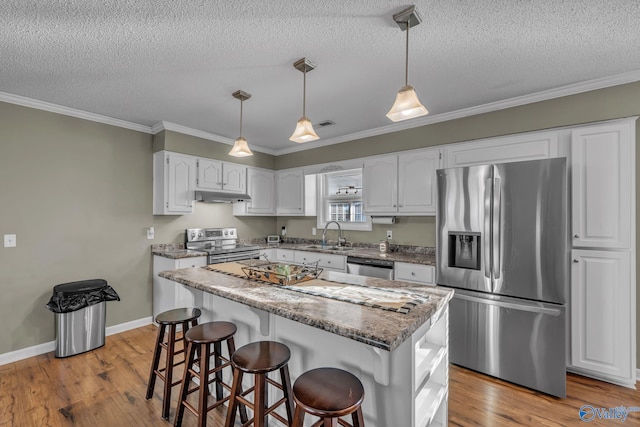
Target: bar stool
(201, 338)
(260, 358)
(169, 319)
(328, 393)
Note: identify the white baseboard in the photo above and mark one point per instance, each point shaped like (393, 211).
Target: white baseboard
(36, 350)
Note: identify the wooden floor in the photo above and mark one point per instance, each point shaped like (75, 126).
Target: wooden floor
(107, 386)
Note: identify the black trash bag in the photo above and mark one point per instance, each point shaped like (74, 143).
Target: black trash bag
(74, 296)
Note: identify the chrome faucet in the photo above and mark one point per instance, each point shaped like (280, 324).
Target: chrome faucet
(324, 234)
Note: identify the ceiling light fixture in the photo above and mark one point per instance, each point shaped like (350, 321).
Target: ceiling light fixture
(304, 129)
(240, 147)
(407, 105)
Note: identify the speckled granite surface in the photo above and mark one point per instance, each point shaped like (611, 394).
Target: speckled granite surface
(418, 257)
(379, 328)
(175, 251)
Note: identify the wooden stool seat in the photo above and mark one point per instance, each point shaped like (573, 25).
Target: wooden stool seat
(200, 339)
(328, 393)
(178, 316)
(259, 359)
(168, 321)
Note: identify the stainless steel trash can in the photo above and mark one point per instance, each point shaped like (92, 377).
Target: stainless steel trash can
(80, 310)
(81, 330)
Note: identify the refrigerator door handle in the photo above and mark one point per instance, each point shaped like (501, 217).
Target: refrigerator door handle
(486, 244)
(522, 306)
(496, 230)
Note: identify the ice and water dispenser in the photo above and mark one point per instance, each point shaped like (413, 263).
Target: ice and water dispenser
(464, 250)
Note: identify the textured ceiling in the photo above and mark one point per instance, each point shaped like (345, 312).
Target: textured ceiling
(178, 61)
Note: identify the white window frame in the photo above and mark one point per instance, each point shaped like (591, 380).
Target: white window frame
(324, 199)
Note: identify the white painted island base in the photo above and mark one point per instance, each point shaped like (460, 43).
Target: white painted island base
(405, 387)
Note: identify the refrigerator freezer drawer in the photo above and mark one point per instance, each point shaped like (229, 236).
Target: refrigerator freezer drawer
(516, 340)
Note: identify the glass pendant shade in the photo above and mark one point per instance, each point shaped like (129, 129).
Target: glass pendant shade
(407, 105)
(240, 148)
(304, 131)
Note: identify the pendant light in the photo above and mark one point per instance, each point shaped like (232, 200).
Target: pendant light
(407, 105)
(304, 129)
(240, 147)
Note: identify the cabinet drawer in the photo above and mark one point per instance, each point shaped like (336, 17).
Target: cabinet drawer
(191, 262)
(330, 261)
(418, 273)
(284, 255)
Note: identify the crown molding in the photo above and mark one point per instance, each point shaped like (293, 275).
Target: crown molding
(67, 111)
(572, 89)
(160, 126)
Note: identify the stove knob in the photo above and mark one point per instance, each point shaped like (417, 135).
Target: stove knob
(226, 233)
(193, 234)
(200, 234)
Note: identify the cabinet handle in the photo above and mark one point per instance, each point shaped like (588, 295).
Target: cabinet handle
(328, 262)
(413, 273)
(576, 261)
(576, 236)
(399, 206)
(394, 206)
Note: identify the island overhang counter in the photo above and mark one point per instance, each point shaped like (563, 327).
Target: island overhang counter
(401, 356)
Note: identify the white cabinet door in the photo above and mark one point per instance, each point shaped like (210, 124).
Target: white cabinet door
(380, 184)
(221, 176)
(512, 148)
(326, 261)
(167, 294)
(602, 335)
(209, 174)
(417, 273)
(601, 165)
(234, 178)
(290, 192)
(262, 189)
(173, 183)
(417, 181)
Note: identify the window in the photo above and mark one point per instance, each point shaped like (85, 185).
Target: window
(340, 199)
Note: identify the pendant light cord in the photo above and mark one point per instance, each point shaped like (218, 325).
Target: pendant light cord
(304, 92)
(406, 57)
(241, 101)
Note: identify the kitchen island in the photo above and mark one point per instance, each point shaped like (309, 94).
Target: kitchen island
(400, 357)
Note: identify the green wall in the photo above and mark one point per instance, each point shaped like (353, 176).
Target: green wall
(78, 194)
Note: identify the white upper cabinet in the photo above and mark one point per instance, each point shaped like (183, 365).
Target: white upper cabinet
(401, 184)
(602, 312)
(261, 187)
(221, 176)
(513, 148)
(173, 183)
(290, 192)
(601, 181)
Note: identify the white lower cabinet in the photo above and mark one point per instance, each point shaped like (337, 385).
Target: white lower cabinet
(416, 273)
(167, 294)
(325, 261)
(603, 316)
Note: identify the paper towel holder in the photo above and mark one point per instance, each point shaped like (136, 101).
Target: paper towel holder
(383, 219)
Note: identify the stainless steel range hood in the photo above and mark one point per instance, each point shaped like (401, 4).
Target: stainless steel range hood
(220, 197)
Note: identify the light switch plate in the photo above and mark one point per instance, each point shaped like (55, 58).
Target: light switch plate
(10, 241)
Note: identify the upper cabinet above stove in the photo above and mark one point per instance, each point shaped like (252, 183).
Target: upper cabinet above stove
(220, 176)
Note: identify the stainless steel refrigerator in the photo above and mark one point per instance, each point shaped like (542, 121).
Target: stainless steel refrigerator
(502, 245)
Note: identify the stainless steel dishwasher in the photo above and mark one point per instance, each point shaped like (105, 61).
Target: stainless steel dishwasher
(380, 268)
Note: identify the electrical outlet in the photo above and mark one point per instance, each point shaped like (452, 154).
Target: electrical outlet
(313, 231)
(10, 241)
(389, 235)
(151, 233)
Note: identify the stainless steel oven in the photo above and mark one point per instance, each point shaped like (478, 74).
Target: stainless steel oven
(220, 244)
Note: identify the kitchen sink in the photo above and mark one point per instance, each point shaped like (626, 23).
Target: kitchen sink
(328, 248)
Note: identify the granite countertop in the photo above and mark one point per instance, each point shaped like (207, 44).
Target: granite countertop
(373, 326)
(365, 252)
(175, 251)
